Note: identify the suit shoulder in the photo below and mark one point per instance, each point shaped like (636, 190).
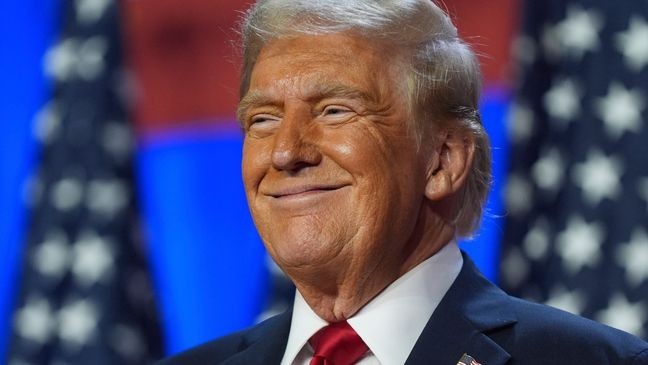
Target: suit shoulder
(221, 349)
(211, 352)
(547, 332)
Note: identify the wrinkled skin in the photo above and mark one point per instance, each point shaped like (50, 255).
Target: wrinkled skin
(343, 198)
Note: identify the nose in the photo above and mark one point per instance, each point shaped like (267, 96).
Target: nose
(295, 143)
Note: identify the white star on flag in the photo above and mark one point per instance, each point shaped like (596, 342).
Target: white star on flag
(599, 177)
(562, 101)
(547, 172)
(518, 194)
(514, 267)
(624, 315)
(536, 242)
(60, 60)
(52, 256)
(90, 58)
(569, 301)
(78, 322)
(47, 122)
(633, 43)
(93, 258)
(633, 257)
(579, 244)
(89, 11)
(520, 121)
(107, 196)
(579, 32)
(34, 320)
(117, 140)
(621, 109)
(67, 193)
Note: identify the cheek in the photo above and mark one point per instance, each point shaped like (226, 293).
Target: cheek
(344, 148)
(359, 149)
(365, 159)
(387, 171)
(254, 164)
(369, 160)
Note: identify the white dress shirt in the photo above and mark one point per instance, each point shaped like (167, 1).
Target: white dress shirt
(392, 322)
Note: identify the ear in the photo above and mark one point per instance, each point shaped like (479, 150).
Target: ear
(450, 164)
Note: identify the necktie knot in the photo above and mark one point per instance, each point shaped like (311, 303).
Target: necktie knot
(337, 344)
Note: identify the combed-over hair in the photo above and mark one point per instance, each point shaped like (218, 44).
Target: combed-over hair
(443, 78)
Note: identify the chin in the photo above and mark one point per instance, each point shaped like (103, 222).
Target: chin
(302, 249)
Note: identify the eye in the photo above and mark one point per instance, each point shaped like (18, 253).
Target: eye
(262, 123)
(335, 114)
(335, 110)
(262, 119)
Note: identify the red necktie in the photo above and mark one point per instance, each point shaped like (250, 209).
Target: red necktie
(337, 344)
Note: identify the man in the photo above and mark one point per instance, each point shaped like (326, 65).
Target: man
(364, 160)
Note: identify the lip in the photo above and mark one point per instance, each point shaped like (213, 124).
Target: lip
(304, 190)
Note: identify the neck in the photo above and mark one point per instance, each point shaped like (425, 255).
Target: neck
(339, 290)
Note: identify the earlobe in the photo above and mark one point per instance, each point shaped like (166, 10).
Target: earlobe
(438, 186)
(450, 165)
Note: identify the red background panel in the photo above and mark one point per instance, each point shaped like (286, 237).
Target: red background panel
(489, 26)
(186, 69)
(183, 57)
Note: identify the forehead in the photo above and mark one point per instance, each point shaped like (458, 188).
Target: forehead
(333, 45)
(317, 59)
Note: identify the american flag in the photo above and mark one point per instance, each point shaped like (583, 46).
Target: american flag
(85, 296)
(577, 227)
(467, 360)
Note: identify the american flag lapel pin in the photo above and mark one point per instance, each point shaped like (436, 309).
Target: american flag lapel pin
(467, 360)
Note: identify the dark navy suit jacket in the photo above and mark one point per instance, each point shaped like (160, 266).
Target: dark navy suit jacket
(475, 317)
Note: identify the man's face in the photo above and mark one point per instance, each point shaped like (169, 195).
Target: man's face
(331, 167)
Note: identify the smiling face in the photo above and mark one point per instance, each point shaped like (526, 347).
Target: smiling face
(331, 168)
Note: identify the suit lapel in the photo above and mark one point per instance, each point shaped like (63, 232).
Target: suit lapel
(265, 344)
(472, 307)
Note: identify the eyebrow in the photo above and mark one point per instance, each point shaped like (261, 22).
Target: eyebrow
(317, 92)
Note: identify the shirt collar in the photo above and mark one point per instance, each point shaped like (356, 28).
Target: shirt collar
(305, 323)
(392, 322)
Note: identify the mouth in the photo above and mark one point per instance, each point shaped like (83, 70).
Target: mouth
(304, 190)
